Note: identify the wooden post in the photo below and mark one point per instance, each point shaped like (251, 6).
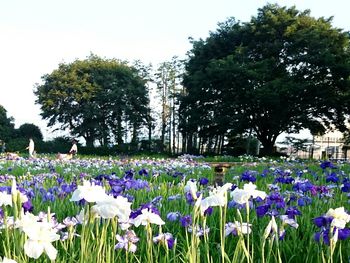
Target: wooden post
(219, 175)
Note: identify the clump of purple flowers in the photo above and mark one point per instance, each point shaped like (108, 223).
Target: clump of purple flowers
(332, 226)
(327, 164)
(248, 176)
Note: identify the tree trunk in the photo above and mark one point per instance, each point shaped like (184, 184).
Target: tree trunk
(200, 148)
(169, 134)
(178, 141)
(119, 130)
(312, 147)
(149, 136)
(134, 133)
(89, 141)
(268, 147)
(174, 129)
(221, 143)
(184, 142)
(189, 147)
(216, 144)
(248, 141)
(162, 136)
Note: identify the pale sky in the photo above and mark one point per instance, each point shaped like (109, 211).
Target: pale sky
(37, 35)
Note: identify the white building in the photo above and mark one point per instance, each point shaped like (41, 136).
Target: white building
(329, 145)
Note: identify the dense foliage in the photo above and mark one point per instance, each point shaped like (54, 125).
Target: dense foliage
(97, 99)
(280, 72)
(7, 126)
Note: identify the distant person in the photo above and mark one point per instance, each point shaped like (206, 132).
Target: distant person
(64, 156)
(74, 149)
(30, 148)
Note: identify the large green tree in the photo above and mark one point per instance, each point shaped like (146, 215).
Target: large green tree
(30, 130)
(94, 98)
(280, 72)
(7, 127)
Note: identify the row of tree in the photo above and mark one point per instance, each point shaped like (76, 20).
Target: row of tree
(282, 71)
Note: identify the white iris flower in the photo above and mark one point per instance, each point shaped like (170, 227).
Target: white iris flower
(88, 191)
(242, 196)
(147, 217)
(110, 207)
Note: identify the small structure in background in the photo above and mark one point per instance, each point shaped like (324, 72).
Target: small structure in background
(328, 146)
(220, 170)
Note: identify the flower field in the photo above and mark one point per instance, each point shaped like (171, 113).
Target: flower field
(170, 210)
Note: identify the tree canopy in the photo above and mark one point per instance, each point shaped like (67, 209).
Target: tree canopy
(98, 99)
(280, 72)
(7, 127)
(29, 130)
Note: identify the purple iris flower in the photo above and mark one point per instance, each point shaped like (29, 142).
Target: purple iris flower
(143, 171)
(148, 206)
(346, 187)
(305, 200)
(327, 164)
(129, 174)
(117, 190)
(343, 233)
(303, 186)
(173, 216)
(208, 211)
(284, 180)
(141, 184)
(262, 210)
(166, 237)
(48, 197)
(157, 200)
(203, 181)
(186, 221)
(68, 188)
(100, 177)
(292, 212)
(233, 187)
(273, 212)
(322, 221)
(171, 243)
(324, 235)
(189, 198)
(151, 208)
(27, 206)
(332, 178)
(248, 176)
(82, 202)
(264, 173)
(60, 180)
(277, 199)
(6, 189)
